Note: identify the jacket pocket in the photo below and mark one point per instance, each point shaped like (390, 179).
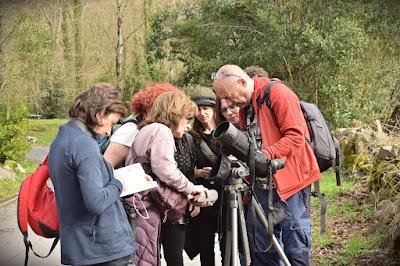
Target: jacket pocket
(108, 226)
(297, 237)
(300, 167)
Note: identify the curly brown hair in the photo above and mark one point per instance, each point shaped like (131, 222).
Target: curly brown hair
(142, 101)
(169, 107)
(256, 71)
(101, 98)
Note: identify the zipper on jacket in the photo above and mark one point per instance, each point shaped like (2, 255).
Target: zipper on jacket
(94, 227)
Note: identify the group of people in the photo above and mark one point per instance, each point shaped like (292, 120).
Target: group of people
(171, 137)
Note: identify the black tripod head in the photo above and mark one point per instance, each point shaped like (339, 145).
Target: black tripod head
(229, 170)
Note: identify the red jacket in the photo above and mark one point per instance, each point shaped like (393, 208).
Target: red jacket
(287, 140)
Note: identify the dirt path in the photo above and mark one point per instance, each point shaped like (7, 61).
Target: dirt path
(37, 153)
(345, 227)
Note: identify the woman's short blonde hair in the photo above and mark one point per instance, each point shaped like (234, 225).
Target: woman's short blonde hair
(168, 109)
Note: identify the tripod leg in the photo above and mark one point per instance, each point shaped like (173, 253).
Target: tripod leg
(243, 230)
(234, 214)
(228, 239)
(275, 243)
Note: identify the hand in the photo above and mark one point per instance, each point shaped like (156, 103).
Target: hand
(203, 204)
(145, 192)
(197, 192)
(232, 158)
(203, 172)
(193, 201)
(194, 210)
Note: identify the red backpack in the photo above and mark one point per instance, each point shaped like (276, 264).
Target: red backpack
(37, 207)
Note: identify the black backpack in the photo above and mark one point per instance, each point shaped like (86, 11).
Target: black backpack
(106, 141)
(324, 145)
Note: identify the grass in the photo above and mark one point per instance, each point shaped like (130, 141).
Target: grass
(343, 240)
(44, 129)
(10, 187)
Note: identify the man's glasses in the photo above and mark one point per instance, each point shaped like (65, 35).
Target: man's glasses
(231, 108)
(217, 75)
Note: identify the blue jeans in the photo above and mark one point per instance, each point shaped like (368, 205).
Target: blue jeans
(294, 232)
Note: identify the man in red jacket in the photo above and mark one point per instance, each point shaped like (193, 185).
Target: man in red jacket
(283, 137)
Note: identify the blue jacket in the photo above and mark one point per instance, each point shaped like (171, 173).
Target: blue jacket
(93, 224)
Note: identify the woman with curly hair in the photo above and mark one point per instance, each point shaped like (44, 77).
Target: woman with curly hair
(122, 139)
(154, 147)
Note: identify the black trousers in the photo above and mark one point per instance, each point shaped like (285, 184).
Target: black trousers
(173, 240)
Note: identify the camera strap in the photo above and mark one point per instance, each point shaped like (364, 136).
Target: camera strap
(253, 130)
(206, 150)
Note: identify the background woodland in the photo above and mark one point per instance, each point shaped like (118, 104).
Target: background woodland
(342, 55)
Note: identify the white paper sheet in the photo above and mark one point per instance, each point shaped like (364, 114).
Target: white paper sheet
(133, 179)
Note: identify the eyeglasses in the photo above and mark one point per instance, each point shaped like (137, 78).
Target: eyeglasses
(217, 75)
(231, 108)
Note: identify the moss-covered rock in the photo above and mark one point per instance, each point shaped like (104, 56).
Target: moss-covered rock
(388, 217)
(385, 178)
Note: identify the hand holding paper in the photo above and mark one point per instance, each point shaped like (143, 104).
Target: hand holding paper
(133, 179)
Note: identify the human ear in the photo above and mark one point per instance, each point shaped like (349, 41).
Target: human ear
(99, 118)
(242, 82)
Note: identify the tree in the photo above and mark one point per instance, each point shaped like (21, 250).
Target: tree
(332, 61)
(79, 53)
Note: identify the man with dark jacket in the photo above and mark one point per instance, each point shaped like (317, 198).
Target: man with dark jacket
(283, 137)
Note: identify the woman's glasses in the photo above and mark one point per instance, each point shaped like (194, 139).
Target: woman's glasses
(233, 108)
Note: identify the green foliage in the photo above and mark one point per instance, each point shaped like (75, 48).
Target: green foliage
(359, 244)
(53, 102)
(335, 61)
(35, 76)
(34, 46)
(385, 178)
(342, 244)
(13, 130)
(361, 162)
(35, 42)
(10, 187)
(45, 130)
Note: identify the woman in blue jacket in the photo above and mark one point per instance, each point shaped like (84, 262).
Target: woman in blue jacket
(93, 224)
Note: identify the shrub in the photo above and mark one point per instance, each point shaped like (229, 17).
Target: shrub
(13, 130)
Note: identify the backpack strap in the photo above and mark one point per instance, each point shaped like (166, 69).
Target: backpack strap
(28, 245)
(106, 141)
(323, 206)
(337, 163)
(317, 191)
(266, 98)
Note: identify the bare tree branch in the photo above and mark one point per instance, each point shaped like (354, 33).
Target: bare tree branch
(5, 38)
(123, 10)
(135, 30)
(102, 61)
(233, 27)
(94, 26)
(45, 14)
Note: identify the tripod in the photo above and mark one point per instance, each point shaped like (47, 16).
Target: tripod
(235, 210)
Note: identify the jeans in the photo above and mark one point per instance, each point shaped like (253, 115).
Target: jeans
(294, 232)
